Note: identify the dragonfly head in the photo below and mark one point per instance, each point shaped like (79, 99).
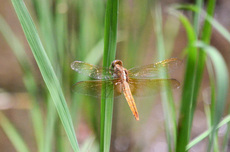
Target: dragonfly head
(119, 62)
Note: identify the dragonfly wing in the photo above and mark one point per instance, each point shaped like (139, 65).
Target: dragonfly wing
(94, 87)
(148, 87)
(92, 71)
(154, 70)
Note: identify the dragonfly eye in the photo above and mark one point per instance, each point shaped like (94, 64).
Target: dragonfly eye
(119, 62)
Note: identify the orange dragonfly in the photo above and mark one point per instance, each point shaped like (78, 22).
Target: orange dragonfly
(137, 81)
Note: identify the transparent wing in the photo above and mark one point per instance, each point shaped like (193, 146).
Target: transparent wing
(93, 87)
(92, 71)
(154, 70)
(148, 87)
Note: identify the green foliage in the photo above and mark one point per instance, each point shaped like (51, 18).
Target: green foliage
(186, 113)
(46, 70)
(70, 30)
(217, 106)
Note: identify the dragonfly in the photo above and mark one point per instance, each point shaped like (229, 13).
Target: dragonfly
(138, 81)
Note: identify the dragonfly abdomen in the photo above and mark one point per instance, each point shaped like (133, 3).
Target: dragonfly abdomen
(129, 97)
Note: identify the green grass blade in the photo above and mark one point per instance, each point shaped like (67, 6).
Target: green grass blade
(206, 133)
(205, 37)
(90, 46)
(222, 80)
(211, 107)
(196, 16)
(167, 97)
(226, 139)
(28, 78)
(46, 70)
(110, 42)
(220, 28)
(50, 126)
(186, 113)
(61, 142)
(221, 73)
(223, 31)
(47, 31)
(13, 134)
(61, 29)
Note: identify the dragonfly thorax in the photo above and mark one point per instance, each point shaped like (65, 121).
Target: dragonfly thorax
(120, 72)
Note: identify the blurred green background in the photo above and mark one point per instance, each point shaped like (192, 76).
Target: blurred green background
(74, 30)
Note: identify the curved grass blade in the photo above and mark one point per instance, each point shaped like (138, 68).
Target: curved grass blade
(205, 37)
(222, 81)
(223, 31)
(205, 134)
(46, 70)
(187, 101)
(220, 28)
